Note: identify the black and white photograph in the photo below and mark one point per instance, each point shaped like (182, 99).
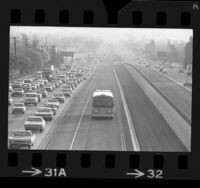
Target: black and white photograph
(100, 89)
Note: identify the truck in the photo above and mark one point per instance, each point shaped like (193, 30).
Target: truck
(48, 72)
(189, 70)
(47, 75)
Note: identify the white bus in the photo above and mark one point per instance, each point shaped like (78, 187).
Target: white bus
(103, 104)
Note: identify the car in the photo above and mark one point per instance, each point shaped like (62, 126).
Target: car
(53, 84)
(75, 82)
(31, 98)
(30, 80)
(187, 83)
(53, 101)
(26, 90)
(10, 88)
(21, 138)
(71, 84)
(39, 95)
(18, 108)
(20, 81)
(17, 92)
(40, 85)
(33, 87)
(41, 81)
(60, 97)
(10, 100)
(57, 80)
(63, 78)
(66, 92)
(164, 71)
(45, 112)
(57, 84)
(52, 106)
(37, 84)
(68, 87)
(45, 81)
(43, 92)
(48, 88)
(181, 71)
(26, 85)
(35, 123)
(16, 86)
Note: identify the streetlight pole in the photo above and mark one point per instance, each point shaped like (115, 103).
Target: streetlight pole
(15, 45)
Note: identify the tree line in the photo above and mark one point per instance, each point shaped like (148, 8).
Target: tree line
(26, 56)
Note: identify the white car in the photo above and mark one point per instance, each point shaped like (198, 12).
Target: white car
(48, 88)
(35, 123)
(21, 138)
(187, 83)
(18, 108)
(53, 101)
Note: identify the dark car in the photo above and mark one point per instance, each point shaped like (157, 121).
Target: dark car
(53, 108)
(48, 88)
(66, 92)
(44, 93)
(56, 84)
(45, 112)
(18, 108)
(17, 92)
(60, 97)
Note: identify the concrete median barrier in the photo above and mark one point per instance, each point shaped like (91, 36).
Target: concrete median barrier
(176, 122)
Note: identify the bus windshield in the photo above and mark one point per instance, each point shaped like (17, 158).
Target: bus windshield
(102, 102)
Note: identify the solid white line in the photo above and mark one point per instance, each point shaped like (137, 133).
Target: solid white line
(134, 139)
(122, 137)
(178, 83)
(75, 134)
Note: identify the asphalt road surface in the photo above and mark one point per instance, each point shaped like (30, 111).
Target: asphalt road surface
(153, 132)
(80, 132)
(176, 95)
(77, 130)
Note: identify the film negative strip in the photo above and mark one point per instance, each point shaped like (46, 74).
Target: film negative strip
(96, 92)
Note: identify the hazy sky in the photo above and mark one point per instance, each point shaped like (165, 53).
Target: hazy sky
(108, 34)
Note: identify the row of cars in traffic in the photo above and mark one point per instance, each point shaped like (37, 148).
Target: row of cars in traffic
(162, 68)
(32, 91)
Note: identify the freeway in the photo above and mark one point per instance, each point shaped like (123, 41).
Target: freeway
(153, 132)
(80, 132)
(176, 95)
(74, 129)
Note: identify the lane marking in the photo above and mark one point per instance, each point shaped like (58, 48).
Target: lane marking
(75, 134)
(51, 132)
(122, 137)
(134, 139)
(174, 119)
(173, 80)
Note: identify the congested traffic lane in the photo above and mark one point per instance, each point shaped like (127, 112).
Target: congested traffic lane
(16, 121)
(80, 132)
(176, 95)
(153, 132)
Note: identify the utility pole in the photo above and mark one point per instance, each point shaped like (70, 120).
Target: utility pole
(26, 39)
(15, 45)
(46, 44)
